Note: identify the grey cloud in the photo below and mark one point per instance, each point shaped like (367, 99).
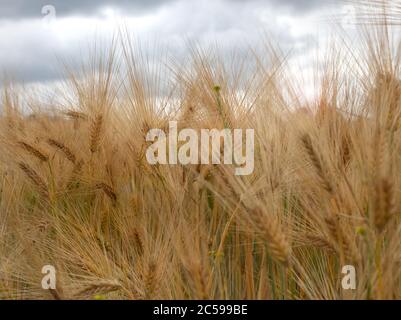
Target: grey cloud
(15, 9)
(28, 54)
(34, 59)
(295, 6)
(302, 5)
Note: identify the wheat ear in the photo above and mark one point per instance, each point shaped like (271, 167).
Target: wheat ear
(384, 203)
(150, 280)
(108, 190)
(102, 287)
(270, 230)
(138, 240)
(76, 115)
(33, 151)
(317, 164)
(96, 129)
(63, 148)
(35, 178)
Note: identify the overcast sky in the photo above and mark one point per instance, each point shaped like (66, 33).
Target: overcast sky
(35, 33)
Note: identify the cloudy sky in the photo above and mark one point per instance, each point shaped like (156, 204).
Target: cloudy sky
(35, 34)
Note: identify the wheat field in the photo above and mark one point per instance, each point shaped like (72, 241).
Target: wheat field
(77, 193)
